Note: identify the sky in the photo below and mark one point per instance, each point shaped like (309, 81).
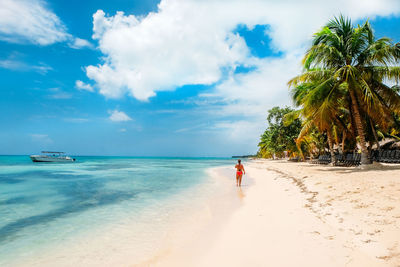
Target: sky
(156, 78)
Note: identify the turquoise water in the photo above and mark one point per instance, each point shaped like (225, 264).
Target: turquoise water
(42, 204)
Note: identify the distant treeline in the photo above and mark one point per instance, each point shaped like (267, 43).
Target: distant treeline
(245, 156)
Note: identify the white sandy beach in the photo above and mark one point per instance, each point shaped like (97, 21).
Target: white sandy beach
(297, 214)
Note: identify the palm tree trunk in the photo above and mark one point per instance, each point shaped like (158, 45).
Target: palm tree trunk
(343, 141)
(353, 124)
(300, 151)
(375, 135)
(360, 128)
(330, 143)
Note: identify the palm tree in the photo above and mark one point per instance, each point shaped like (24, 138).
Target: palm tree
(321, 108)
(349, 63)
(263, 145)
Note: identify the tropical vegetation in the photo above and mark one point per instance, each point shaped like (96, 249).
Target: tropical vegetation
(343, 95)
(279, 136)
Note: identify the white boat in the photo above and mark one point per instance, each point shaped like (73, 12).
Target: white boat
(51, 156)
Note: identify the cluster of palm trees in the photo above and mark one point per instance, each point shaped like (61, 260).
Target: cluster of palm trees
(348, 90)
(279, 138)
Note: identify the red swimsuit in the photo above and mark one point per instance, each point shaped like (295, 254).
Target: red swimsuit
(239, 171)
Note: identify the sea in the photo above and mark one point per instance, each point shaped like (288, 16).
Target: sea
(52, 212)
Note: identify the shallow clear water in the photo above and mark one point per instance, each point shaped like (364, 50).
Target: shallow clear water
(42, 204)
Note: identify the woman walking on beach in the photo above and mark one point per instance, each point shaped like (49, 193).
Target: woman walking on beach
(239, 173)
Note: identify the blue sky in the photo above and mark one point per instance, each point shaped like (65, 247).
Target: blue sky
(184, 79)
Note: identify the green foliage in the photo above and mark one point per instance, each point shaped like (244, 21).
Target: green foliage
(280, 135)
(342, 90)
(342, 94)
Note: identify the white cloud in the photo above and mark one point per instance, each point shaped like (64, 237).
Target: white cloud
(238, 131)
(79, 43)
(191, 129)
(160, 52)
(118, 116)
(190, 41)
(250, 93)
(31, 21)
(17, 65)
(83, 86)
(248, 96)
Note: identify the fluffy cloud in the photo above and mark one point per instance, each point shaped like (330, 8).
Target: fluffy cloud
(194, 42)
(189, 42)
(249, 93)
(160, 52)
(118, 116)
(31, 21)
(78, 43)
(83, 86)
(248, 96)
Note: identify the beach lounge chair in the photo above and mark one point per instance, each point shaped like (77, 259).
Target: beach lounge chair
(345, 161)
(392, 158)
(313, 161)
(374, 155)
(357, 160)
(392, 153)
(340, 158)
(384, 156)
(379, 158)
(326, 159)
(322, 159)
(397, 157)
(351, 160)
(316, 160)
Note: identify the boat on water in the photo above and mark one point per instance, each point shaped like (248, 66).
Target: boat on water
(51, 156)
